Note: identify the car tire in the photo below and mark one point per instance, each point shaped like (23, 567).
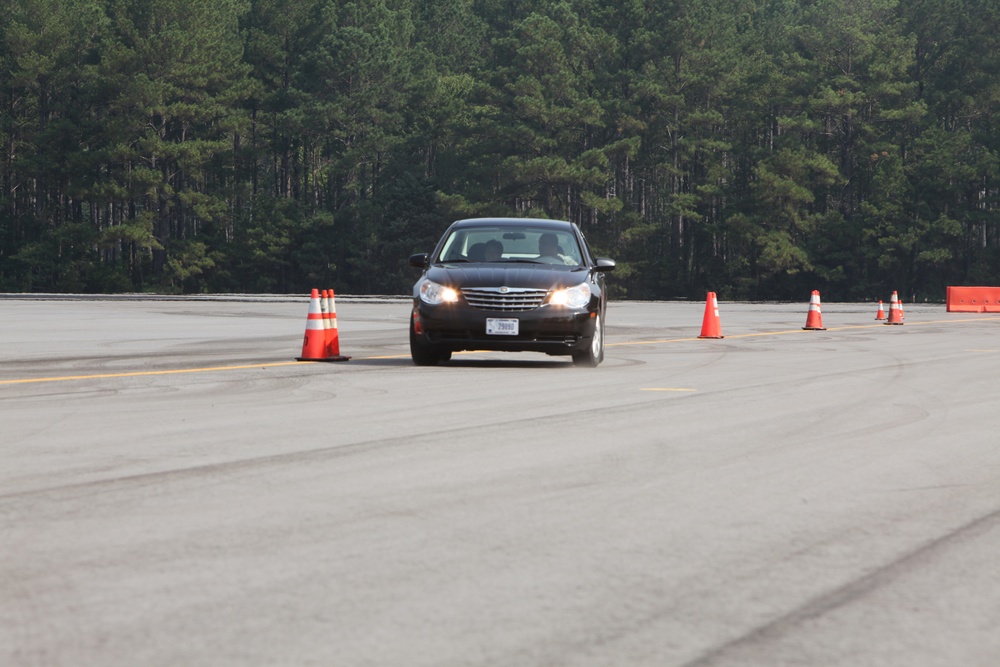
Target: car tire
(424, 354)
(594, 354)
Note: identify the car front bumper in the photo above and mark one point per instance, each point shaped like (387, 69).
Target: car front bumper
(550, 329)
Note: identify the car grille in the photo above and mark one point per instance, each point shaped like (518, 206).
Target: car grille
(514, 299)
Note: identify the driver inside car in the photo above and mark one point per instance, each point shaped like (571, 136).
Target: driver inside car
(494, 251)
(548, 250)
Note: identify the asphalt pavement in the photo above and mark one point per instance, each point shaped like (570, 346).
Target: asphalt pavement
(177, 490)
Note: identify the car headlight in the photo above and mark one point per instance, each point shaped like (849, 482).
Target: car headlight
(433, 293)
(572, 297)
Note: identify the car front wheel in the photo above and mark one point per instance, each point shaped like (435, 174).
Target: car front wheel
(424, 354)
(594, 354)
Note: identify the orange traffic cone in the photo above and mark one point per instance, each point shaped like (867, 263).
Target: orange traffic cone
(332, 330)
(880, 315)
(314, 343)
(895, 312)
(814, 320)
(324, 306)
(711, 326)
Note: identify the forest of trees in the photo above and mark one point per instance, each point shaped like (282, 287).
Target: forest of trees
(756, 148)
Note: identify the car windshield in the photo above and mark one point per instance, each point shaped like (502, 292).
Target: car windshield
(511, 244)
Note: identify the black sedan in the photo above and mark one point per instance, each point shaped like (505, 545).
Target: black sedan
(509, 284)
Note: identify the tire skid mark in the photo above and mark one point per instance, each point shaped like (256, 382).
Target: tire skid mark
(348, 449)
(73, 492)
(850, 592)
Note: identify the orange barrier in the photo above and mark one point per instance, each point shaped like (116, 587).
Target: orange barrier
(814, 319)
(711, 325)
(973, 299)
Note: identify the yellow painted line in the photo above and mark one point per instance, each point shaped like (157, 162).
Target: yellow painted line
(649, 342)
(140, 373)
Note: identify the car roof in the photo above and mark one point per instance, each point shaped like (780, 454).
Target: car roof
(512, 222)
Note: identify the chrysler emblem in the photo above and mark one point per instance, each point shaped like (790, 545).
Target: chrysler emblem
(504, 289)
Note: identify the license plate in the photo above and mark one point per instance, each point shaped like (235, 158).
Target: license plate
(501, 327)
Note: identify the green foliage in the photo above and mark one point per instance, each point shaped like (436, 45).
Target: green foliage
(756, 148)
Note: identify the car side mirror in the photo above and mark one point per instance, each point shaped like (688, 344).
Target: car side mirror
(419, 260)
(604, 264)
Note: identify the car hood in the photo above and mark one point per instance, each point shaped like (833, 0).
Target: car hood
(537, 276)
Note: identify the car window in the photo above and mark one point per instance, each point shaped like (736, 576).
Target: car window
(454, 248)
(566, 248)
(508, 244)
